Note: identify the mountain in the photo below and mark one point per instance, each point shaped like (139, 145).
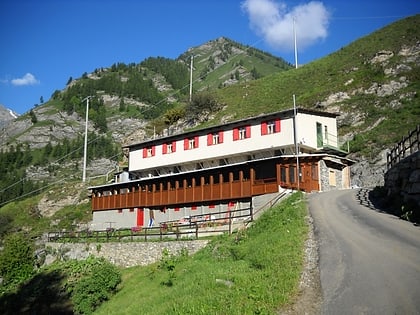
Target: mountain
(373, 83)
(6, 116)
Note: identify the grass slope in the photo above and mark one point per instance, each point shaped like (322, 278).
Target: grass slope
(255, 271)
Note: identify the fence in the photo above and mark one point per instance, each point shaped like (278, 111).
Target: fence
(192, 227)
(407, 146)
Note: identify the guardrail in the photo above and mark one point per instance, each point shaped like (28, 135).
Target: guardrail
(407, 146)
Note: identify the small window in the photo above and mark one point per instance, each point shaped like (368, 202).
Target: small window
(242, 133)
(149, 152)
(270, 127)
(190, 143)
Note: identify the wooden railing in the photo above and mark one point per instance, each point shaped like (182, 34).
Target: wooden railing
(407, 146)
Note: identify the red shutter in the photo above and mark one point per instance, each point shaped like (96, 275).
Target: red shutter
(209, 139)
(248, 132)
(186, 144)
(196, 142)
(164, 148)
(174, 146)
(263, 128)
(278, 126)
(220, 136)
(153, 150)
(235, 134)
(144, 153)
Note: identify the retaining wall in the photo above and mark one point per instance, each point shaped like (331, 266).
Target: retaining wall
(403, 179)
(122, 254)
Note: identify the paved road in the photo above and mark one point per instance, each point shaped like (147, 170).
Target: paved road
(369, 261)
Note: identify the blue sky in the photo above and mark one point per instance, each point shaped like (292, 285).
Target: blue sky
(43, 43)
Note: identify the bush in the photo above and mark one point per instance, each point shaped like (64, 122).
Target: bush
(16, 259)
(90, 291)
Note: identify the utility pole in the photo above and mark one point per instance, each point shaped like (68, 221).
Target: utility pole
(86, 134)
(296, 142)
(191, 77)
(294, 35)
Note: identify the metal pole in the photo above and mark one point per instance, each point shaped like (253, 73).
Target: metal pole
(86, 133)
(191, 78)
(294, 34)
(296, 142)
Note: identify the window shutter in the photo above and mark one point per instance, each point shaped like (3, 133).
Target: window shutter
(209, 139)
(263, 128)
(278, 126)
(164, 148)
(186, 144)
(235, 134)
(144, 152)
(196, 142)
(153, 150)
(248, 132)
(174, 146)
(220, 136)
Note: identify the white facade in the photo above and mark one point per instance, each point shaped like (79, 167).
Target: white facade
(237, 141)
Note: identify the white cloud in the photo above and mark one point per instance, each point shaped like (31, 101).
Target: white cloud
(274, 22)
(27, 79)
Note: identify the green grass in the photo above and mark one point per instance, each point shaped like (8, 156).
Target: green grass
(255, 271)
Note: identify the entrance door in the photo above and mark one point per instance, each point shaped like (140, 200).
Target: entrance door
(140, 217)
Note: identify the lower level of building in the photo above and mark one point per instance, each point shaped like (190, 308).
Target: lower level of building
(213, 191)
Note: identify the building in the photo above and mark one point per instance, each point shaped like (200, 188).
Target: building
(220, 168)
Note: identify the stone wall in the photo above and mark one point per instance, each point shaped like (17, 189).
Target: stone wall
(403, 179)
(122, 254)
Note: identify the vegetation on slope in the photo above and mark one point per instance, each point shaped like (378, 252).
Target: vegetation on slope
(254, 271)
(349, 70)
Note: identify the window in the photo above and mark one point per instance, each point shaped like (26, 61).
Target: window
(283, 174)
(241, 133)
(215, 138)
(292, 175)
(169, 147)
(149, 152)
(270, 127)
(190, 143)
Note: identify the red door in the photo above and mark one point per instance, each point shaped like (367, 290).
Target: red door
(140, 217)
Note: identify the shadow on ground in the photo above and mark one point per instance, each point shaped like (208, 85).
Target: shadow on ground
(376, 200)
(43, 294)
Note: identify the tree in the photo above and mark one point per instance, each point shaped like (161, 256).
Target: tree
(41, 99)
(34, 119)
(69, 80)
(16, 259)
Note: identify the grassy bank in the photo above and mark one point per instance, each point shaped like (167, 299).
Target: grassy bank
(255, 271)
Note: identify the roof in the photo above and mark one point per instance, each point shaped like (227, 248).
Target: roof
(289, 113)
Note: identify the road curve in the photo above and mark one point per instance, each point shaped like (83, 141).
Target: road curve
(369, 261)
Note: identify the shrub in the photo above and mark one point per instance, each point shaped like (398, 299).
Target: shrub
(16, 259)
(90, 291)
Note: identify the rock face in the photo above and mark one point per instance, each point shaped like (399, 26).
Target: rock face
(6, 116)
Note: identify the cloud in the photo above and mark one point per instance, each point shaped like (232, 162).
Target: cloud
(27, 79)
(274, 22)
